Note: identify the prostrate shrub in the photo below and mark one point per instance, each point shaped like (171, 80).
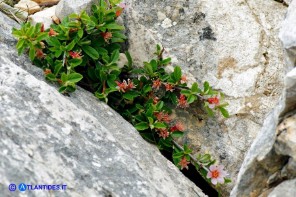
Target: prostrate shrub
(84, 49)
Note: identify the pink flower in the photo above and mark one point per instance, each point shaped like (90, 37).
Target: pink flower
(156, 84)
(178, 127)
(169, 87)
(39, 54)
(75, 54)
(182, 102)
(155, 100)
(125, 86)
(106, 35)
(47, 71)
(160, 116)
(213, 102)
(122, 5)
(184, 163)
(163, 133)
(216, 174)
(52, 32)
(183, 79)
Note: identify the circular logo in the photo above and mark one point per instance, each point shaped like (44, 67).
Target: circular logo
(12, 187)
(22, 187)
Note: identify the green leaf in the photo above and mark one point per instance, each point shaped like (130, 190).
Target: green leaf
(178, 155)
(20, 43)
(153, 63)
(166, 61)
(139, 106)
(159, 105)
(206, 158)
(75, 62)
(80, 33)
(160, 125)
(32, 53)
(74, 77)
(142, 126)
(118, 35)
(50, 77)
(91, 52)
(227, 180)
(64, 77)
(147, 88)
(224, 112)
(42, 36)
(53, 41)
(129, 59)
(114, 56)
(150, 120)
(177, 134)
(131, 95)
(194, 88)
(58, 67)
(70, 46)
(206, 87)
(177, 73)
(114, 26)
(209, 111)
(191, 98)
(149, 112)
(62, 89)
(148, 68)
(186, 92)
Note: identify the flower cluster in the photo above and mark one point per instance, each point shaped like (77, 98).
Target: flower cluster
(213, 102)
(182, 102)
(75, 54)
(161, 116)
(125, 86)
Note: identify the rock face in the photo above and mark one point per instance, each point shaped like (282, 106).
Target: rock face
(232, 44)
(45, 17)
(269, 168)
(27, 5)
(66, 7)
(48, 138)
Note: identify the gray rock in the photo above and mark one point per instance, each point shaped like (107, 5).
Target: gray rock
(44, 16)
(288, 2)
(271, 158)
(48, 138)
(285, 189)
(66, 7)
(288, 30)
(286, 137)
(232, 44)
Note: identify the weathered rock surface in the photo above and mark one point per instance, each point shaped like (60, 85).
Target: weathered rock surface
(45, 16)
(48, 138)
(232, 44)
(271, 158)
(66, 7)
(46, 2)
(27, 5)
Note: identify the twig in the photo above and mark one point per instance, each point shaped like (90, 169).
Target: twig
(190, 155)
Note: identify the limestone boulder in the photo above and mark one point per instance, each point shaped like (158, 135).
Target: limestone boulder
(45, 16)
(66, 7)
(48, 138)
(269, 168)
(28, 6)
(232, 44)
